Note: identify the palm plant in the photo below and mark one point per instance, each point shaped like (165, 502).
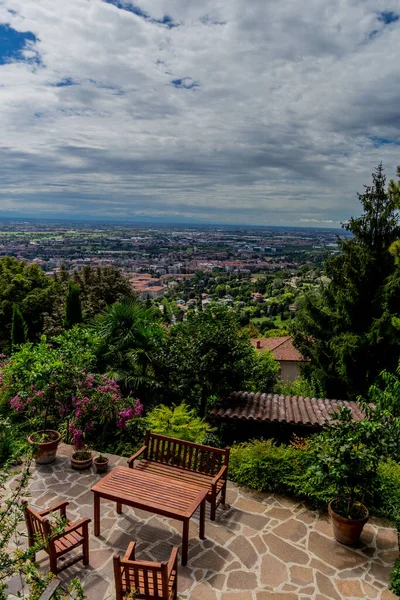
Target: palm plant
(129, 334)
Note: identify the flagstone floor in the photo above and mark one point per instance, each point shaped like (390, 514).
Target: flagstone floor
(261, 547)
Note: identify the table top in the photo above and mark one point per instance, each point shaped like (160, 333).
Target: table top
(148, 491)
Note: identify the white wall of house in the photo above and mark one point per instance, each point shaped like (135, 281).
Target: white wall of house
(289, 370)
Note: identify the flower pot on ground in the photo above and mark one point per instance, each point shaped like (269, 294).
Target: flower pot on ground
(348, 530)
(101, 463)
(81, 459)
(46, 442)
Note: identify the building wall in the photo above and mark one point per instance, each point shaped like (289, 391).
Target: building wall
(289, 370)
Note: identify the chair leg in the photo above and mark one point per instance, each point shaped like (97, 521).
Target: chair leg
(85, 532)
(223, 494)
(53, 564)
(213, 509)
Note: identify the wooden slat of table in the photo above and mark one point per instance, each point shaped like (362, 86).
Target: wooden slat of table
(149, 491)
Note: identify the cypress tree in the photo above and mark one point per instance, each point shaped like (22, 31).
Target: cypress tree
(347, 329)
(73, 312)
(19, 328)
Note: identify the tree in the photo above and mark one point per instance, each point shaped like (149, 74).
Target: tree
(29, 288)
(204, 356)
(130, 335)
(19, 328)
(264, 372)
(73, 312)
(346, 329)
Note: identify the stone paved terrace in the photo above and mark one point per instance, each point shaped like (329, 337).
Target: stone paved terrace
(262, 546)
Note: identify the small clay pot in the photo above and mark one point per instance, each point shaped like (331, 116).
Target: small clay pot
(81, 463)
(46, 451)
(347, 531)
(101, 467)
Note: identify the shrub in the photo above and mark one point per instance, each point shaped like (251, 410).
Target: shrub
(179, 422)
(395, 578)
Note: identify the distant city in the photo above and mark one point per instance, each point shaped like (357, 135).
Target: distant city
(154, 257)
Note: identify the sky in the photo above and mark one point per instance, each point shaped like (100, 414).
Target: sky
(264, 112)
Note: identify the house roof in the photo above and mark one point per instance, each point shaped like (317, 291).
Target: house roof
(281, 347)
(273, 408)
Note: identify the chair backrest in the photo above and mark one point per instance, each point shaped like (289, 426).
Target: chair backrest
(146, 580)
(185, 455)
(39, 528)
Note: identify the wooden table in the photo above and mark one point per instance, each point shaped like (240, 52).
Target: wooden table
(155, 493)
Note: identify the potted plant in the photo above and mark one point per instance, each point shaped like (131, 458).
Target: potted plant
(81, 459)
(46, 442)
(101, 463)
(345, 460)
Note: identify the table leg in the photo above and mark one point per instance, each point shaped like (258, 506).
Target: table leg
(119, 508)
(202, 520)
(96, 514)
(185, 541)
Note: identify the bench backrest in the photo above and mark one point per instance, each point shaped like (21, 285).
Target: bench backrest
(145, 580)
(185, 455)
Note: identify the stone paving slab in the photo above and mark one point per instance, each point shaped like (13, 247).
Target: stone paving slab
(261, 547)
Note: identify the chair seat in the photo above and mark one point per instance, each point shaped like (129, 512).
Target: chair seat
(68, 541)
(199, 480)
(150, 592)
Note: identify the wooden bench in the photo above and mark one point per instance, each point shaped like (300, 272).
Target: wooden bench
(194, 464)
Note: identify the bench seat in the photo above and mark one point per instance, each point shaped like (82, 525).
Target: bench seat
(193, 464)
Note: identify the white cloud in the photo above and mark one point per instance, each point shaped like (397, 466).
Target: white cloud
(294, 104)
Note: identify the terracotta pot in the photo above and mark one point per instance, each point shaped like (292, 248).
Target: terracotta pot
(79, 464)
(101, 467)
(46, 451)
(347, 531)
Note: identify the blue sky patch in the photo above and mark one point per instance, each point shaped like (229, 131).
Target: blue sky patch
(136, 10)
(378, 141)
(187, 83)
(67, 81)
(388, 16)
(12, 43)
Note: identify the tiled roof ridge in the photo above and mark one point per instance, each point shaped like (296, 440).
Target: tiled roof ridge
(278, 408)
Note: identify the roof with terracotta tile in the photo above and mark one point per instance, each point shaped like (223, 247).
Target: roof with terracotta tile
(281, 347)
(273, 408)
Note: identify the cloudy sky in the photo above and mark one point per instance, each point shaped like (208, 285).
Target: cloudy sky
(224, 111)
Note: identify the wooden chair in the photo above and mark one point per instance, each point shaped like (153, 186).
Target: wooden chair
(145, 580)
(74, 535)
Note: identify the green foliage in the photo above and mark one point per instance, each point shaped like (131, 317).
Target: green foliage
(275, 333)
(308, 388)
(347, 455)
(264, 466)
(32, 291)
(395, 578)
(129, 336)
(263, 374)
(179, 422)
(73, 311)
(206, 355)
(19, 328)
(347, 329)
(386, 392)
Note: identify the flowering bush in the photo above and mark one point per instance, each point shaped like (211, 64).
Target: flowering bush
(46, 387)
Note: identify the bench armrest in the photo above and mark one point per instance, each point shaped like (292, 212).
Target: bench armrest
(220, 475)
(173, 561)
(61, 506)
(136, 455)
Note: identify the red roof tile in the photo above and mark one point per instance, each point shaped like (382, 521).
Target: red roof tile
(281, 347)
(273, 408)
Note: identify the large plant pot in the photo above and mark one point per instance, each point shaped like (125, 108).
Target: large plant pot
(346, 531)
(81, 464)
(46, 450)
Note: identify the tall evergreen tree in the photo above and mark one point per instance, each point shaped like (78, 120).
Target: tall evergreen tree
(73, 308)
(19, 328)
(347, 330)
